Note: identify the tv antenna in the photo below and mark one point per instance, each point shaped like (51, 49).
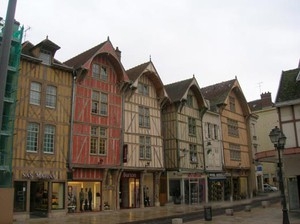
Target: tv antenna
(259, 86)
(25, 32)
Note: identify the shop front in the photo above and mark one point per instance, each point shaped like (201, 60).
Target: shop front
(129, 195)
(216, 186)
(188, 188)
(38, 194)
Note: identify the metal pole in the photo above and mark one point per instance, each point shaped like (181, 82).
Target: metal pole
(4, 51)
(285, 214)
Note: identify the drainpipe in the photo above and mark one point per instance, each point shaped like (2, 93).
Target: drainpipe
(70, 152)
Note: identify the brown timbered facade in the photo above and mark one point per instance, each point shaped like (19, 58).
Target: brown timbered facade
(227, 99)
(42, 127)
(183, 143)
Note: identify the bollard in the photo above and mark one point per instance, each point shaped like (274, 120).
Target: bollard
(248, 208)
(265, 204)
(207, 213)
(177, 221)
(229, 211)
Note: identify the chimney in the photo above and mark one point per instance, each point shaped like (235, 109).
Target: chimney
(266, 99)
(118, 52)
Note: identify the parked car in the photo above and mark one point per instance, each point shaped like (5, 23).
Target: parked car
(269, 188)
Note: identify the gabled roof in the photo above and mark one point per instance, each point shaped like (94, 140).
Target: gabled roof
(47, 45)
(27, 52)
(83, 61)
(148, 70)
(178, 91)
(289, 87)
(80, 59)
(218, 93)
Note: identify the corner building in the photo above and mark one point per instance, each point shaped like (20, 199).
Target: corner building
(42, 126)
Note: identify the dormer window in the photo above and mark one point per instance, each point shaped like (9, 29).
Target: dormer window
(45, 56)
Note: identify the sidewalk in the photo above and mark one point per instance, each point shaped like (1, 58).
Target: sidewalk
(259, 215)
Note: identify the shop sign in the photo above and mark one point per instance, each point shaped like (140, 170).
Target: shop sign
(38, 175)
(130, 175)
(191, 175)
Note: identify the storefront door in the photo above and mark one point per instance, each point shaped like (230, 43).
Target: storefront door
(38, 199)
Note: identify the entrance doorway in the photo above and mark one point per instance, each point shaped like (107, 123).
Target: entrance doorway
(38, 199)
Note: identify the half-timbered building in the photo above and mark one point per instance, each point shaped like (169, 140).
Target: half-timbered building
(94, 159)
(42, 127)
(143, 160)
(183, 143)
(228, 100)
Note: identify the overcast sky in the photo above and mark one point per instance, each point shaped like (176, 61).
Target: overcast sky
(215, 40)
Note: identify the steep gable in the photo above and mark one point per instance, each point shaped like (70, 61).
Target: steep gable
(178, 91)
(148, 70)
(217, 94)
(82, 62)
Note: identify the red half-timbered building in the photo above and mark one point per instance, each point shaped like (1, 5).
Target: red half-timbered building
(94, 161)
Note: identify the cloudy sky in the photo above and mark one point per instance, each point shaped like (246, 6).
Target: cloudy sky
(215, 40)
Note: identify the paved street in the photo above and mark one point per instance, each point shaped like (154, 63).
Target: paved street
(257, 215)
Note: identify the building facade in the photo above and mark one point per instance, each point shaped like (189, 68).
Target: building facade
(94, 159)
(265, 109)
(182, 120)
(228, 100)
(143, 159)
(42, 128)
(213, 155)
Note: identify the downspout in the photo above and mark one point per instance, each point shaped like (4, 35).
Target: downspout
(70, 152)
(202, 112)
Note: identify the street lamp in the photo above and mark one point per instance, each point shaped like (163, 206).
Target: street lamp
(278, 139)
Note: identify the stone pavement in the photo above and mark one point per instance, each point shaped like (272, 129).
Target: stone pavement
(257, 215)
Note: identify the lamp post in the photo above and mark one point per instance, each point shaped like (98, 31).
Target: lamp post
(278, 139)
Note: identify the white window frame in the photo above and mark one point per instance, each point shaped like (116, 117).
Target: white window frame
(51, 96)
(35, 93)
(32, 141)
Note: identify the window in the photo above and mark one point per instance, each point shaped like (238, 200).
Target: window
(49, 135)
(193, 154)
(209, 130)
(96, 71)
(235, 152)
(103, 104)
(98, 140)
(32, 137)
(99, 103)
(144, 117)
(192, 126)
(51, 96)
(45, 56)
(35, 93)
(145, 147)
(103, 74)
(58, 195)
(232, 103)
(143, 89)
(233, 129)
(94, 140)
(189, 101)
(103, 140)
(216, 135)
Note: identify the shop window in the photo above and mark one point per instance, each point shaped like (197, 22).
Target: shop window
(57, 196)
(20, 196)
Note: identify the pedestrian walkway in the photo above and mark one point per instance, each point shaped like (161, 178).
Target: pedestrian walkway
(257, 215)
